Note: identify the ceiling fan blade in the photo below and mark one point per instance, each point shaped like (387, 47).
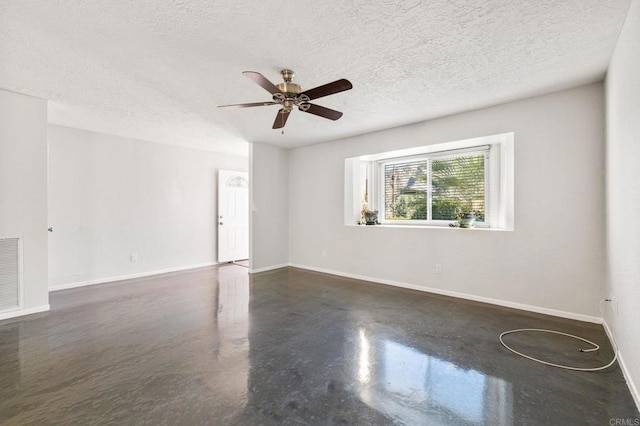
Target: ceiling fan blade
(249, 105)
(328, 89)
(331, 114)
(281, 119)
(262, 81)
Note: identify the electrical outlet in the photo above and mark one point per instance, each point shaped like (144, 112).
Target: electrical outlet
(133, 257)
(324, 252)
(438, 268)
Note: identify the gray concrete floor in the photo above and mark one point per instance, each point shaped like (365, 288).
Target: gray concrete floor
(215, 346)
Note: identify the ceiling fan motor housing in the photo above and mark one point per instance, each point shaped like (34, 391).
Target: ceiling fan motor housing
(290, 91)
(289, 88)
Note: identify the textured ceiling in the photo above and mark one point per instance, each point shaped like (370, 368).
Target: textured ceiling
(157, 69)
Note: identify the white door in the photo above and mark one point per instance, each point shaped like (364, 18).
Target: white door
(233, 216)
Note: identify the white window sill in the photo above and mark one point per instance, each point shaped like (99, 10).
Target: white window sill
(431, 227)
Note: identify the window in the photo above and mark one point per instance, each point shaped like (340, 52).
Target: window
(433, 185)
(436, 187)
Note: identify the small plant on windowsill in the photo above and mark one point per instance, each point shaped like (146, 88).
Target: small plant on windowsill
(466, 219)
(369, 217)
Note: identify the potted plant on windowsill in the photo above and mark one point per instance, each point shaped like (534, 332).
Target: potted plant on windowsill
(370, 217)
(466, 219)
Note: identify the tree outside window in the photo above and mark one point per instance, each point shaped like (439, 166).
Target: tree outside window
(451, 185)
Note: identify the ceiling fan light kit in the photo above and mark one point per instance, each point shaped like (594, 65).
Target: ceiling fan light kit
(289, 95)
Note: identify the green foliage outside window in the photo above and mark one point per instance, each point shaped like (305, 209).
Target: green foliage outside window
(457, 186)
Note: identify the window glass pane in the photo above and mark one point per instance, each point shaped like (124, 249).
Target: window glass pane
(405, 190)
(458, 186)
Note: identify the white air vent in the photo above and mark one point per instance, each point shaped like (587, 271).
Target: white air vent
(9, 273)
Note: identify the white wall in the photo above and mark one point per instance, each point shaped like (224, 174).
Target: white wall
(23, 189)
(623, 195)
(552, 262)
(110, 197)
(269, 200)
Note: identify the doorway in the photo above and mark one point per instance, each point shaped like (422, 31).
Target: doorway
(233, 216)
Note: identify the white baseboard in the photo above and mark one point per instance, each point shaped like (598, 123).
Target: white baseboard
(623, 366)
(21, 312)
(128, 277)
(268, 268)
(521, 306)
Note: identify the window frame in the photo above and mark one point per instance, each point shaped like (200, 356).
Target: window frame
(376, 173)
(499, 174)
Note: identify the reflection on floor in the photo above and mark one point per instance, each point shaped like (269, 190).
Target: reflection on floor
(244, 263)
(407, 381)
(216, 346)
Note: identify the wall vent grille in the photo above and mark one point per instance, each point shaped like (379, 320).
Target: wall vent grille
(9, 273)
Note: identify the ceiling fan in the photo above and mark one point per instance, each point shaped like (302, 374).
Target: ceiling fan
(289, 95)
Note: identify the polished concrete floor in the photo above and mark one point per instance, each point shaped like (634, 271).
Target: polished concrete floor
(292, 347)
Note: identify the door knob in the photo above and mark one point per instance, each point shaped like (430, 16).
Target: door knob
(221, 223)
